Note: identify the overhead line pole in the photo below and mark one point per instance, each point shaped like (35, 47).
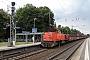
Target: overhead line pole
(49, 20)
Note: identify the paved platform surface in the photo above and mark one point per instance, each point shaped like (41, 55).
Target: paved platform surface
(2, 48)
(83, 52)
(85, 55)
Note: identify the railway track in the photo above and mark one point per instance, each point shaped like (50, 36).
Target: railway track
(66, 53)
(52, 54)
(55, 53)
(24, 54)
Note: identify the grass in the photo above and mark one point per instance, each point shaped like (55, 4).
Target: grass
(17, 43)
(20, 43)
(3, 43)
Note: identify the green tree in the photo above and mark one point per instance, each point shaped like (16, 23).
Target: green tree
(59, 27)
(67, 30)
(44, 16)
(4, 18)
(25, 17)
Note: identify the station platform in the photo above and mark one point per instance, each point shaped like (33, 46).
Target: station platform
(3, 48)
(83, 52)
(86, 50)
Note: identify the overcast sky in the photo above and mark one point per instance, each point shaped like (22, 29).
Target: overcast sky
(70, 13)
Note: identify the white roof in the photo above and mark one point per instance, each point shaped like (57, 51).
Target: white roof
(39, 33)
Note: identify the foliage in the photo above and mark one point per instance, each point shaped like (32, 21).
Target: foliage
(4, 18)
(67, 30)
(25, 17)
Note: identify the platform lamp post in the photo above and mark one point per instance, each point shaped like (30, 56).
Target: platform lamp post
(34, 21)
(34, 30)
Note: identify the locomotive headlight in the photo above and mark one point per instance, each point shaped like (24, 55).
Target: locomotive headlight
(49, 36)
(44, 39)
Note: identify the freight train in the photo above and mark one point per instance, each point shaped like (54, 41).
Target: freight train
(53, 37)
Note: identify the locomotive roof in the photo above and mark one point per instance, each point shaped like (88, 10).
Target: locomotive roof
(53, 29)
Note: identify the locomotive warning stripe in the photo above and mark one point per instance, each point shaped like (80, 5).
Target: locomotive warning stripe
(42, 45)
(52, 44)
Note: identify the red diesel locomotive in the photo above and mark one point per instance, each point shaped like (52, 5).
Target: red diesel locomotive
(54, 37)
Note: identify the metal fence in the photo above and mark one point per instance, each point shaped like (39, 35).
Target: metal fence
(3, 40)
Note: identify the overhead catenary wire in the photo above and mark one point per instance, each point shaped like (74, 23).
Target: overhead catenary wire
(64, 9)
(74, 18)
(68, 9)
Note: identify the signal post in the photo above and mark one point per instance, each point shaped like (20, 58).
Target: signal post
(12, 25)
